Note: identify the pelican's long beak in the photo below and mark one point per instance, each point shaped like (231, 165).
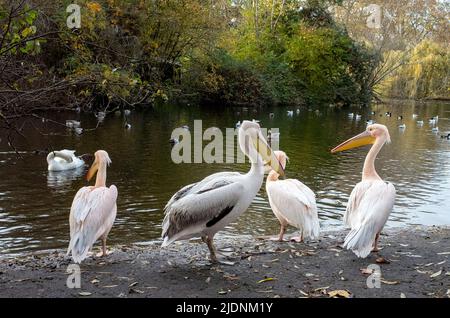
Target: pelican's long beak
(268, 155)
(92, 170)
(364, 138)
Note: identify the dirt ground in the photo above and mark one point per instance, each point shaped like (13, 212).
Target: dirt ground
(413, 262)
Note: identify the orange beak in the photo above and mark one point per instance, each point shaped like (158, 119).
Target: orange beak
(364, 138)
(92, 170)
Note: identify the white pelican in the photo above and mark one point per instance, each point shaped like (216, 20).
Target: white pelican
(372, 199)
(93, 211)
(202, 209)
(63, 160)
(293, 203)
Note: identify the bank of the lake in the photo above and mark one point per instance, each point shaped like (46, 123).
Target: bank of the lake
(414, 262)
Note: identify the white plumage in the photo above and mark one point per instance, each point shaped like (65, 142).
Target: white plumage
(93, 211)
(368, 209)
(294, 204)
(63, 160)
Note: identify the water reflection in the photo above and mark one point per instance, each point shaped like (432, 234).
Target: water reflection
(63, 179)
(35, 204)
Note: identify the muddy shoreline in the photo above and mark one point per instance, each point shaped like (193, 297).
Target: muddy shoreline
(414, 262)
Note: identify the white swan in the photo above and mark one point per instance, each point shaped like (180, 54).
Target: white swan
(63, 160)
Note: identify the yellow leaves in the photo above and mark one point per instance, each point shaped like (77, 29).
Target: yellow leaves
(339, 293)
(268, 279)
(94, 7)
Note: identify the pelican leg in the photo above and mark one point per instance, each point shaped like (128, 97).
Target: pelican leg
(375, 243)
(298, 239)
(280, 236)
(282, 230)
(212, 250)
(103, 251)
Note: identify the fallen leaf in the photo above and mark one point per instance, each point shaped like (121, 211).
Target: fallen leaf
(436, 274)
(222, 292)
(133, 284)
(366, 271)
(321, 288)
(339, 293)
(268, 279)
(444, 253)
(382, 260)
(309, 275)
(302, 292)
(95, 281)
(208, 280)
(402, 295)
(109, 286)
(84, 293)
(137, 291)
(388, 282)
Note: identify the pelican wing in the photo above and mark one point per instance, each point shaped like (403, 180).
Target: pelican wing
(92, 215)
(200, 205)
(367, 214)
(296, 203)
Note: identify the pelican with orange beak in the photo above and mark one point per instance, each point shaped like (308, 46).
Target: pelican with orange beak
(93, 211)
(372, 199)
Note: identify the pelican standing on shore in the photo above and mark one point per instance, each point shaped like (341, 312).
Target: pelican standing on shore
(93, 211)
(63, 160)
(372, 199)
(202, 209)
(293, 203)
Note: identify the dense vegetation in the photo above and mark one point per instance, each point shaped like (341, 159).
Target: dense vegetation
(141, 52)
(221, 52)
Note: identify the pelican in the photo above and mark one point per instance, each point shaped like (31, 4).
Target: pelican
(372, 199)
(202, 209)
(292, 203)
(435, 129)
(93, 211)
(63, 160)
(290, 113)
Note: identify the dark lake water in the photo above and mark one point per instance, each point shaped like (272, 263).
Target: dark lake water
(34, 203)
